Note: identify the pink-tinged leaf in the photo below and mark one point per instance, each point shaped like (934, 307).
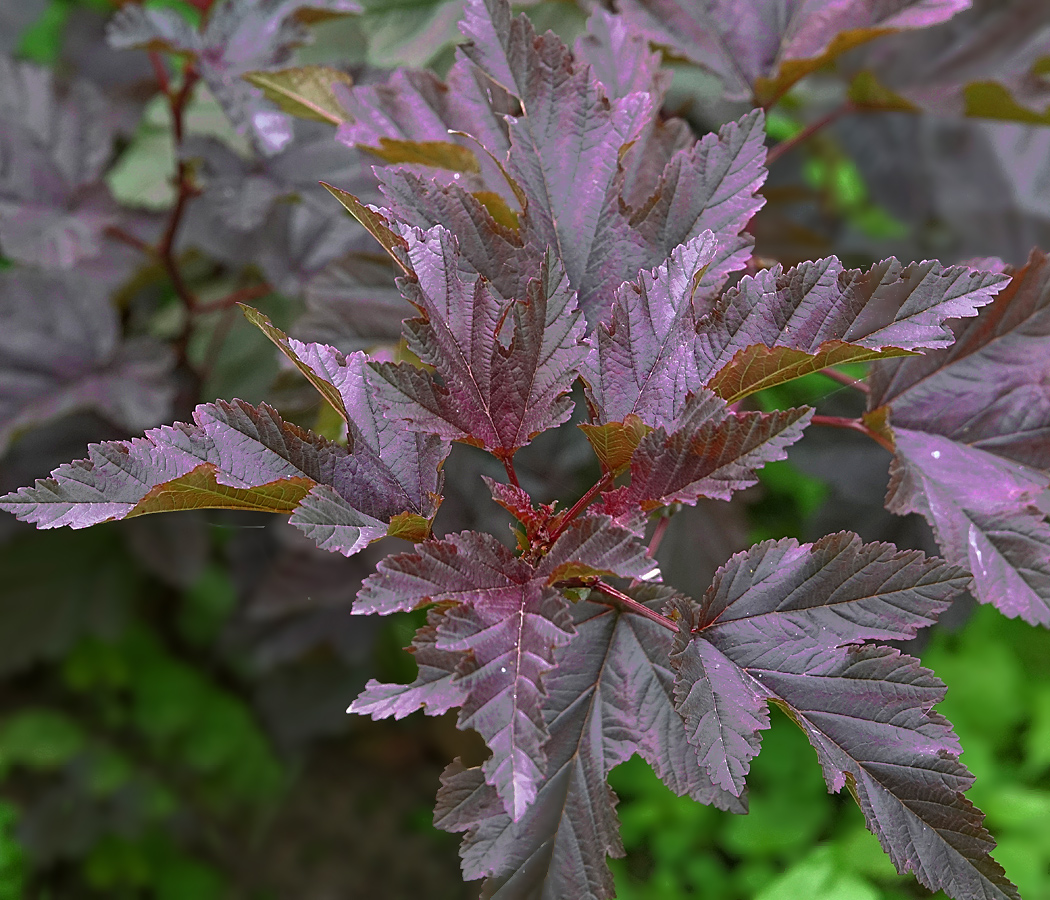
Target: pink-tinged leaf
(506, 624)
(619, 58)
(487, 393)
(435, 689)
(779, 624)
(710, 185)
(970, 424)
(642, 366)
(762, 47)
(711, 452)
(233, 456)
(61, 351)
(610, 696)
(889, 306)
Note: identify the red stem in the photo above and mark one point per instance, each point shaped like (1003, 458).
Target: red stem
(508, 464)
(160, 70)
(600, 485)
(658, 535)
(853, 425)
(634, 606)
(843, 378)
(126, 237)
(806, 133)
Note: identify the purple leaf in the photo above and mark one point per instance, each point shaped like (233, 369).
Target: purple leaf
(233, 456)
(490, 394)
(617, 142)
(621, 60)
(777, 625)
(969, 424)
(435, 689)
(982, 62)
(710, 452)
(762, 47)
(506, 625)
(61, 350)
(903, 307)
(610, 696)
(642, 365)
(53, 150)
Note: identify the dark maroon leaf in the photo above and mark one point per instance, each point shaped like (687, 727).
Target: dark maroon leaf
(610, 696)
(970, 424)
(505, 627)
(710, 452)
(890, 305)
(777, 625)
(643, 365)
(491, 394)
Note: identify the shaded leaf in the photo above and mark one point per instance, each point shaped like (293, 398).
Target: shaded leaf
(761, 48)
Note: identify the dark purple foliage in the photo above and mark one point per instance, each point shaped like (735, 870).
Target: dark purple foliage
(556, 232)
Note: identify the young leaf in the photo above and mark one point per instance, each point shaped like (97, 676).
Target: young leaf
(969, 424)
(506, 625)
(710, 452)
(762, 50)
(610, 696)
(778, 622)
(491, 395)
(306, 92)
(804, 308)
(642, 364)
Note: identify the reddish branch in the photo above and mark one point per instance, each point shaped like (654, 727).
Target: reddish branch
(600, 485)
(843, 378)
(853, 425)
(806, 133)
(634, 606)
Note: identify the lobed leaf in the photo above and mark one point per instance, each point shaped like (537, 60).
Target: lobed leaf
(888, 307)
(711, 452)
(490, 394)
(505, 626)
(610, 696)
(777, 625)
(969, 423)
(235, 456)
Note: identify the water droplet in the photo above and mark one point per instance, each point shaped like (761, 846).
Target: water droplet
(456, 177)
(936, 454)
(503, 669)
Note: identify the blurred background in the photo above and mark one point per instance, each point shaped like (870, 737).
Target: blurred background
(172, 688)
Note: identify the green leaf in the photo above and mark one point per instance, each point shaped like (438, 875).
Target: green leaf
(439, 154)
(376, 225)
(758, 367)
(305, 92)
